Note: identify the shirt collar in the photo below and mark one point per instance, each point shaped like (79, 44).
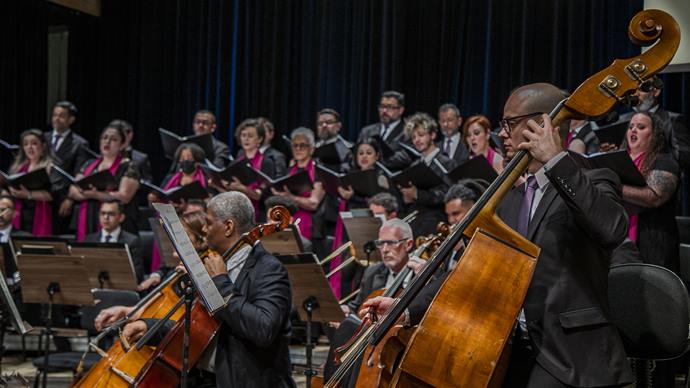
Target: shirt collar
(114, 235)
(263, 148)
(542, 179)
(6, 232)
(391, 125)
(455, 139)
(576, 130)
(429, 158)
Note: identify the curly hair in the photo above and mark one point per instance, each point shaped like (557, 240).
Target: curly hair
(420, 120)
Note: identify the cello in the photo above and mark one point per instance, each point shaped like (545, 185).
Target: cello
(165, 367)
(496, 268)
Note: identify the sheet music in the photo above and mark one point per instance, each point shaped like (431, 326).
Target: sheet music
(184, 247)
(7, 300)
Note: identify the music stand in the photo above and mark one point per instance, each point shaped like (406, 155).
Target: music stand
(362, 232)
(40, 245)
(9, 314)
(55, 279)
(313, 296)
(109, 265)
(284, 242)
(165, 247)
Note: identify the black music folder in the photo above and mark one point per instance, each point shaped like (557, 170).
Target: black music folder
(475, 168)
(240, 169)
(386, 150)
(189, 191)
(327, 151)
(103, 180)
(617, 161)
(8, 146)
(34, 180)
(296, 184)
(365, 183)
(612, 133)
(171, 141)
(419, 174)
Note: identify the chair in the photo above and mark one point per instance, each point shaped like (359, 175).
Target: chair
(146, 239)
(69, 361)
(145, 212)
(650, 307)
(683, 229)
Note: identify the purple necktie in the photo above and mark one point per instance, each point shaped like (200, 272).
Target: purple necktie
(56, 140)
(446, 148)
(526, 206)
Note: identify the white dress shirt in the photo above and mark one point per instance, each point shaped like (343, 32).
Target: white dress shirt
(60, 141)
(114, 235)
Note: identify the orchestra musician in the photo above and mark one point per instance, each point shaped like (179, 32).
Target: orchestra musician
(252, 343)
(563, 336)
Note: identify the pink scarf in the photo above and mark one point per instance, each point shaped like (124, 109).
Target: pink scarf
(84, 205)
(173, 182)
(43, 214)
(569, 139)
(335, 280)
(634, 218)
(256, 163)
(303, 215)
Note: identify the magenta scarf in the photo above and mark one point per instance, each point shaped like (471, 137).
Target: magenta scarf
(173, 182)
(256, 163)
(569, 139)
(43, 214)
(303, 215)
(177, 178)
(335, 280)
(634, 218)
(84, 205)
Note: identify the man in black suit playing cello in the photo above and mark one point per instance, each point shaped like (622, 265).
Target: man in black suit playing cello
(564, 337)
(253, 338)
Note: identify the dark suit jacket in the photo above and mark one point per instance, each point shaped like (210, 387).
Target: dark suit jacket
(134, 245)
(70, 156)
(373, 279)
(255, 325)
(142, 162)
(397, 134)
(461, 154)
(220, 150)
(577, 224)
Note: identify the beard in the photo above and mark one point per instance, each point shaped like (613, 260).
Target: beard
(646, 103)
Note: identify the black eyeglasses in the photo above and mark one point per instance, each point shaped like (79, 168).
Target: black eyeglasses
(506, 122)
(381, 243)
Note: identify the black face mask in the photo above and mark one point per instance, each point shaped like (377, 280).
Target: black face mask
(187, 166)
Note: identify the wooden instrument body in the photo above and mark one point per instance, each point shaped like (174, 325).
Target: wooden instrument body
(380, 362)
(111, 370)
(164, 368)
(482, 298)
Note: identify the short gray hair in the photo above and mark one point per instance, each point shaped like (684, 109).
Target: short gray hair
(235, 206)
(303, 131)
(399, 224)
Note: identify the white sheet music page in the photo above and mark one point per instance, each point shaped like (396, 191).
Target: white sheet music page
(185, 249)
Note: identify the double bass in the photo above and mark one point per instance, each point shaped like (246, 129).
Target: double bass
(464, 341)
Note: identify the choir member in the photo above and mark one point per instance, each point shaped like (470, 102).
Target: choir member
(477, 135)
(88, 201)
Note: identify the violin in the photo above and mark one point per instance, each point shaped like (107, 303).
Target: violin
(464, 341)
(164, 368)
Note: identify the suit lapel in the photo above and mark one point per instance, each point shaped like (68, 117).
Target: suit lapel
(248, 265)
(510, 208)
(544, 205)
(380, 279)
(65, 147)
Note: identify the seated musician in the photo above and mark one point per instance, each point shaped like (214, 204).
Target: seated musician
(252, 342)
(7, 214)
(194, 224)
(394, 243)
(111, 142)
(575, 216)
(385, 204)
(34, 208)
(111, 216)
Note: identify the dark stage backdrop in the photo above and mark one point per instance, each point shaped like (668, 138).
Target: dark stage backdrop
(156, 62)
